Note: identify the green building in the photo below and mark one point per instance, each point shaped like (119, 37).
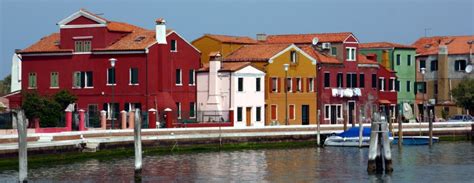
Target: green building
(401, 59)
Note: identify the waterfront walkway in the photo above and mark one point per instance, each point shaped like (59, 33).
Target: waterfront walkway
(93, 139)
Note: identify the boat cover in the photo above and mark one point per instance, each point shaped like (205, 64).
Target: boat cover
(354, 132)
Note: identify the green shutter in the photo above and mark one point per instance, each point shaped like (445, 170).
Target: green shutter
(54, 79)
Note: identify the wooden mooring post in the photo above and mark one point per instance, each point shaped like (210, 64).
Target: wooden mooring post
(380, 155)
(430, 127)
(20, 119)
(138, 144)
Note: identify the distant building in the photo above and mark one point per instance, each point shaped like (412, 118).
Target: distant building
(221, 43)
(444, 59)
(231, 86)
(400, 59)
(155, 69)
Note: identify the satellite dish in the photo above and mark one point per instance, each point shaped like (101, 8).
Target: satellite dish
(315, 41)
(468, 68)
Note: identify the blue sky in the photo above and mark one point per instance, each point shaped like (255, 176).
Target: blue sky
(24, 22)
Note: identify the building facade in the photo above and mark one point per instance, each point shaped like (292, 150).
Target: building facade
(224, 44)
(154, 69)
(398, 58)
(444, 60)
(237, 88)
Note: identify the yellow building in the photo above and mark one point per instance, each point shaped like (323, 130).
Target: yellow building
(222, 43)
(289, 94)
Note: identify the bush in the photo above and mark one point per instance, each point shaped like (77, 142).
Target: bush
(48, 109)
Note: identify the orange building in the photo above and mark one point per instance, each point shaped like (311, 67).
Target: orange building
(222, 43)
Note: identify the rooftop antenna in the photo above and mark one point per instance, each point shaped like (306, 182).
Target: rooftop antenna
(426, 31)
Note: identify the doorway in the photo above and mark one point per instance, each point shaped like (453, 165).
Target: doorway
(248, 117)
(305, 114)
(351, 110)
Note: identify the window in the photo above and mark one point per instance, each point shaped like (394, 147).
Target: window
(382, 84)
(274, 83)
(32, 80)
(422, 64)
(333, 51)
(291, 111)
(408, 86)
(133, 76)
(178, 76)
(459, 65)
(132, 106)
(351, 80)
(192, 77)
(299, 86)
(421, 87)
(435, 88)
(83, 79)
(112, 110)
(258, 114)
(111, 76)
(192, 110)
(350, 53)
(240, 84)
(391, 84)
(174, 46)
(178, 107)
(398, 59)
(408, 59)
(239, 113)
(289, 85)
(339, 80)
(54, 80)
(397, 85)
(434, 65)
(339, 111)
(257, 84)
(311, 84)
(362, 80)
(327, 111)
(82, 46)
(327, 79)
(293, 57)
(374, 80)
(274, 112)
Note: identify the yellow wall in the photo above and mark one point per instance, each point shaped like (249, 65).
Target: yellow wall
(207, 45)
(303, 69)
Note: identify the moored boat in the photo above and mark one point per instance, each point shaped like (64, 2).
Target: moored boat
(349, 138)
(416, 140)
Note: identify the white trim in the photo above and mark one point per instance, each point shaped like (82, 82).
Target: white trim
(276, 84)
(83, 37)
(327, 112)
(353, 50)
(79, 14)
(81, 53)
(195, 110)
(47, 54)
(351, 35)
(81, 26)
(179, 110)
(175, 46)
(292, 46)
(311, 83)
(130, 77)
(276, 111)
(180, 78)
(171, 32)
(291, 85)
(382, 87)
(299, 85)
(194, 78)
(339, 112)
(393, 84)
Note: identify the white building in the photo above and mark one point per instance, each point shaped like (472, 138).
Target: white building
(224, 86)
(15, 83)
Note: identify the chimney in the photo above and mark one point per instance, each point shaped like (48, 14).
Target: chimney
(213, 102)
(443, 75)
(160, 29)
(262, 37)
(385, 59)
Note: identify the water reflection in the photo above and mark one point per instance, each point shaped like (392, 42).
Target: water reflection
(444, 162)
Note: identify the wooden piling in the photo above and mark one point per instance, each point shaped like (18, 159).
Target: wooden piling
(138, 142)
(380, 156)
(371, 164)
(430, 123)
(361, 128)
(19, 117)
(400, 132)
(318, 129)
(387, 153)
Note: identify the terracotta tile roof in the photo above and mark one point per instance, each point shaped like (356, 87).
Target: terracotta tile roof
(260, 52)
(232, 39)
(46, 44)
(307, 38)
(137, 39)
(362, 59)
(320, 57)
(455, 44)
(227, 66)
(384, 45)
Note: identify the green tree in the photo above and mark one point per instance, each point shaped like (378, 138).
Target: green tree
(50, 110)
(463, 94)
(64, 98)
(5, 85)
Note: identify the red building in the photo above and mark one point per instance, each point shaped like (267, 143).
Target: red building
(154, 69)
(348, 82)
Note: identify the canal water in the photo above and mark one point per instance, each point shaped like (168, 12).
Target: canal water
(444, 162)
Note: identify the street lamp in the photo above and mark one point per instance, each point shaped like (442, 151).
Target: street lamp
(423, 71)
(112, 113)
(286, 92)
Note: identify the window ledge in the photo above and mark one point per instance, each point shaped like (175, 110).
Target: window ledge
(54, 87)
(179, 84)
(192, 85)
(132, 84)
(174, 51)
(81, 53)
(89, 87)
(30, 88)
(111, 84)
